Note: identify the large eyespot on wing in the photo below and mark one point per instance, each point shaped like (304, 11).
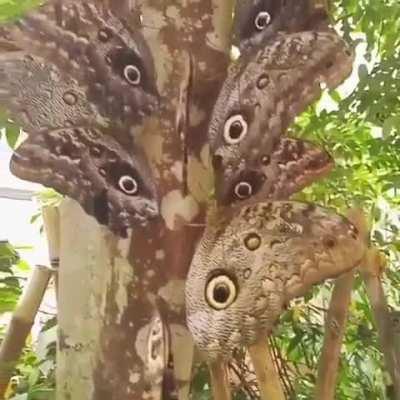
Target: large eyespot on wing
(236, 187)
(258, 20)
(252, 17)
(221, 290)
(235, 129)
(292, 165)
(128, 66)
(262, 20)
(128, 185)
(110, 183)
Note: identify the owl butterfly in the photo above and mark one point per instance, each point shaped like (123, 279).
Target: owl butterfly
(257, 20)
(68, 149)
(250, 264)
(293, 165)
(111, 61)
(264, 91)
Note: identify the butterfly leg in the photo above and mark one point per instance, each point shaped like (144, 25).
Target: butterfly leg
(219, 380)
(267, 376)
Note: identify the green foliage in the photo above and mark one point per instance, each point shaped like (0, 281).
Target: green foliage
(10, 285)
(10, 9)
(35, 376)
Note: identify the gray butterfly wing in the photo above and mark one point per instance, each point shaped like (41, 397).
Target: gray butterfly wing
(38, 95)
(250, 263)
(111, 61)
(71, 148)
(266, 89)
(257, 20)
(292, 165)
(111, 182)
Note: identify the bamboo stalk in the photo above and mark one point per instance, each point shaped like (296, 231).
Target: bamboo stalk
(335, 327)
(219, 381)
(371, 275)
(25, 312)
(335, 324)
(267, 376)
(21, 324)
(51, 221)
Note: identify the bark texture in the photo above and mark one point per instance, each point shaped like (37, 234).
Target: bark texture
(121, 303)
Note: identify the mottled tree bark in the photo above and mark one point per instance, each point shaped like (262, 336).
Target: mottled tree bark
(121, 302)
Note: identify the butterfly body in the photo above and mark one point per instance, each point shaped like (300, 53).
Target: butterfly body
(251, 263)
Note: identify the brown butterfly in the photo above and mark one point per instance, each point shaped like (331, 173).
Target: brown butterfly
(79, 83)
(264, 91)
(253, 260)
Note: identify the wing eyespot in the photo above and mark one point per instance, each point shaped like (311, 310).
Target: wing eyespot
(262, 20)
(132, 75)
(221, 291)
(235, 129)
(243, 190)
(128, 185)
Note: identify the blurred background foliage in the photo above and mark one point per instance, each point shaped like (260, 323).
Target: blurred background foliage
(360, 125)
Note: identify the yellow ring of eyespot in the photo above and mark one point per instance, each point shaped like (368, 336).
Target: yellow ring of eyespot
(213, 284)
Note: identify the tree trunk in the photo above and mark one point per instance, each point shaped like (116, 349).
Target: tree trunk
(122, 332)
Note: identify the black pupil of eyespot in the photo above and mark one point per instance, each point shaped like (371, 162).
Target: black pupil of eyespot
(221, 293)
(128, 184)
(132, 74)
(236, 130)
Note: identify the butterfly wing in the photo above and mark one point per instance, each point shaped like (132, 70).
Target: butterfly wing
(258, 20)
(111, 182)
(292, 165)
(266, 89)
(111, 61)
(71, 148)
(38, 95)
(251, 262)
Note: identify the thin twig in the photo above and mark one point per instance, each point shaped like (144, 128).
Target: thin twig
(371, 274)
(334, 331)
(219, 381)
(267, 376)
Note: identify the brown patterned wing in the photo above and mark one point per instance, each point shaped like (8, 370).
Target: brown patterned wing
(265, 90)
(108, 59)
(292, 165)
(113, 183)
(38, 95)
(250, 263)
(257, 20)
